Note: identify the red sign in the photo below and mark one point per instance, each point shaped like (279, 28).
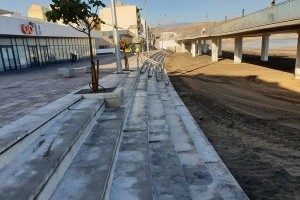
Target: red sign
(27, 29)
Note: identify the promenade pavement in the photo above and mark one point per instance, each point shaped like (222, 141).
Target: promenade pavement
(25, 90)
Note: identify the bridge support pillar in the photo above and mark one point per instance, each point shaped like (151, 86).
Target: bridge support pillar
(183, 49)
(214, 50)
(265, 47)
(238, 50)
(204, 46)
(220, 52)
(199, 47)
(193, 48)
(297, 67)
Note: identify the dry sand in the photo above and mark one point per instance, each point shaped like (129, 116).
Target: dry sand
(251, 114)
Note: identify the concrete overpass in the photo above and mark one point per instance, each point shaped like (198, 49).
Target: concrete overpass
(281, 18)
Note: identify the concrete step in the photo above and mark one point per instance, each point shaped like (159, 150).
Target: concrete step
(15, 137)
(205, 172)
(179, 149)
(132, 176)
(35, 172)
(87, 176)
(128, 88)
(168, 177)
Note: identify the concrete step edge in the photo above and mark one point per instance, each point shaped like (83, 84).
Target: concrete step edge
(19, 140)
(107, 190)
(50, 179)
(205, 150)
(57, 175)
(65, 185)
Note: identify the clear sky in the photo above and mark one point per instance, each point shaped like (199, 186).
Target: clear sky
(169, 11)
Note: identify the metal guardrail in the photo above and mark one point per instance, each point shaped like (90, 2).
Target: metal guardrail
(285, 11)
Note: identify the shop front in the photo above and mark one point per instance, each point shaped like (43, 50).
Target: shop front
(38, 44)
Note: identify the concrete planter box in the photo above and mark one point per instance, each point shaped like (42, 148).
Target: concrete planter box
(70, 72)
(111, 99)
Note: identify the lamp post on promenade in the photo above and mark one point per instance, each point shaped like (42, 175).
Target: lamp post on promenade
(147, 30)
(116, 36)
(146, 25)
(161, 30)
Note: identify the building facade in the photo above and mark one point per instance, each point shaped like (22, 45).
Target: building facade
(37, 12)
(128, 20)
(27, 42)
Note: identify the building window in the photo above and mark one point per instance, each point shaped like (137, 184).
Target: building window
(22, 57)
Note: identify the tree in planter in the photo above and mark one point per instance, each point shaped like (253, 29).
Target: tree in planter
(123, 46)
(82, 16)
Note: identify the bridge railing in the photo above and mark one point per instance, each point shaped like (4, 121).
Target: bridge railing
(285, 11)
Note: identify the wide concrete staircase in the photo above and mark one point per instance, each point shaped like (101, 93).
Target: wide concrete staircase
(64, 150)
(149, 147)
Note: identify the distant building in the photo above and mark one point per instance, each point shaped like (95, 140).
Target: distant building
(37, 12)
(5, 12)
(168, 41)
(128, 21)
(26, 42)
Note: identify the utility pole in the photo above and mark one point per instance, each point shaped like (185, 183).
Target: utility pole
(147, 31)
(116, 36)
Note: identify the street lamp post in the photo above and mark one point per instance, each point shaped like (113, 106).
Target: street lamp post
(116, 36)
(161, 30)
(147, 31)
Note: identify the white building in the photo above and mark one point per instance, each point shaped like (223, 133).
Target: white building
(168, 41)
(28, 42)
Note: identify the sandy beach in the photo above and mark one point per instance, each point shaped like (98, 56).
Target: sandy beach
(251, 114)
